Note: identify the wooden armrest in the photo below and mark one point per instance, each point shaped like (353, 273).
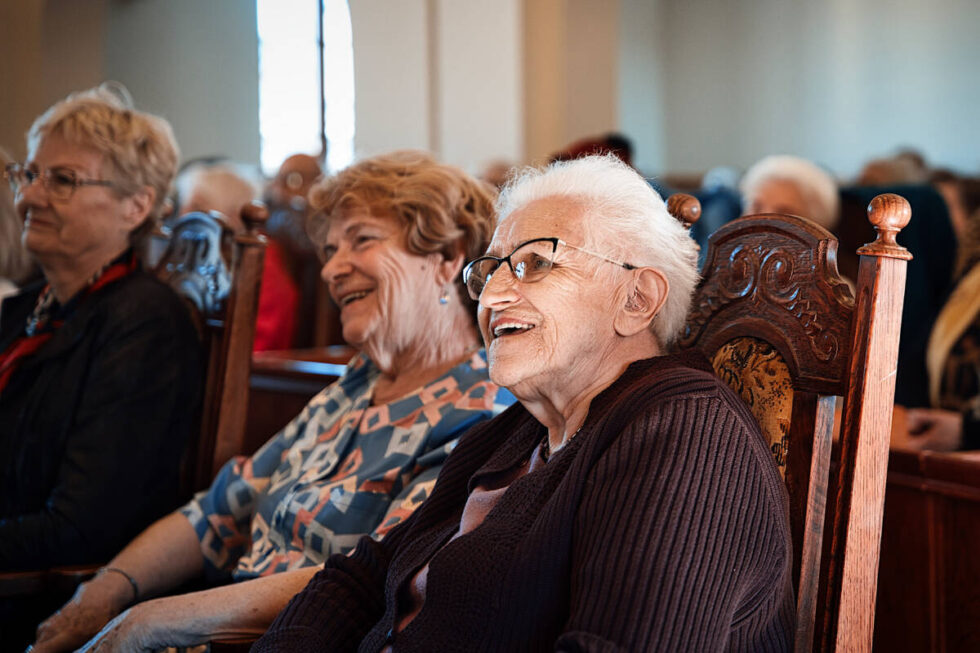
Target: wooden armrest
(22, 583)
(235, 645)
(32, 583)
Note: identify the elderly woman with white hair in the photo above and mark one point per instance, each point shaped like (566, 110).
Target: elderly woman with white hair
(628, 502)
(791, 185)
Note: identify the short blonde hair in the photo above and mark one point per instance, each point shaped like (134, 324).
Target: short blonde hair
(140, 148)
(441, 208)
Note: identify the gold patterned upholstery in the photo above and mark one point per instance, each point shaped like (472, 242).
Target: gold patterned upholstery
(758, 374)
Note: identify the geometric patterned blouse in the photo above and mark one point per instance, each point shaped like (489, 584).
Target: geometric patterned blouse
(341, 469)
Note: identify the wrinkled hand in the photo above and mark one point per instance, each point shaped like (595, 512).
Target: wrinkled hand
(92, 606)
(130, 632)
(934, 429)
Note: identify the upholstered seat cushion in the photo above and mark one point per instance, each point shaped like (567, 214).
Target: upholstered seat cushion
(756, 371)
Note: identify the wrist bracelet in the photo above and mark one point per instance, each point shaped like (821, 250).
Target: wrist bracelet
(132, 581)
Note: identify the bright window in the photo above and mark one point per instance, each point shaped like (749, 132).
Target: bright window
(291, 95)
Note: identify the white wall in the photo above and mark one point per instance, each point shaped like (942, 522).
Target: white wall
(480, 97)
(196, 64)
(695, 83)
(438, 75)
(837, 81)
(391, 75)
(641, 63)
(48, 48)
(570, 72)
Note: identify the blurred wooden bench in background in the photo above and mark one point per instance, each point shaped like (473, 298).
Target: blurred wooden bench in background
(929, 570)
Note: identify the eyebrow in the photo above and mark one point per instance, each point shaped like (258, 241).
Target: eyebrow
(351, 229)
(511, 248)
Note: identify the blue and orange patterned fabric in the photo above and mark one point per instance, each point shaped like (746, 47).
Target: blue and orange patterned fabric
(341, 469)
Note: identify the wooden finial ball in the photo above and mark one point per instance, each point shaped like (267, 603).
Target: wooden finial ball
(254, 214)
(685, 208)
(888, 214)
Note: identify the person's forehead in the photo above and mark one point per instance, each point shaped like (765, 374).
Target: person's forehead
(780, 186)
(55, 151)
(549, 217)
(346, 222)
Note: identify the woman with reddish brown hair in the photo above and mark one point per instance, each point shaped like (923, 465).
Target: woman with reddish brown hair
(393, 232)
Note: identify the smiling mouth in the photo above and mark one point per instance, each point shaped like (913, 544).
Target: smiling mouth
(510, 329)
(353, 297)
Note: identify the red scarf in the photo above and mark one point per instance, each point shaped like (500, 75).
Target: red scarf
(43, 328)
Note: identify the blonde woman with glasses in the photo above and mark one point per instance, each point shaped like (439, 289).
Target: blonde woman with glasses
(99, 362)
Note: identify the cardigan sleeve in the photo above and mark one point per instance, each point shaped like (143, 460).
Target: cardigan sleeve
(340, 604)
(679, 536)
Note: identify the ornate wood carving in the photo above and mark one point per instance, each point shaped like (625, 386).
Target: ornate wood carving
(776, 277)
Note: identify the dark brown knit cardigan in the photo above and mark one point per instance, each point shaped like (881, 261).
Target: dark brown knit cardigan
(662, 526)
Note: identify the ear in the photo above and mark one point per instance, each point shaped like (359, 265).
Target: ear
(449, 268)
(139, 207)
(645, 296)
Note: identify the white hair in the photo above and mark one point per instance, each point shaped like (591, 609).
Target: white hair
(626, 218)
(818, 188)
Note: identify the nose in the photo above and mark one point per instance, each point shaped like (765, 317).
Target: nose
(337, 265)
(501, 289)
(30, 195)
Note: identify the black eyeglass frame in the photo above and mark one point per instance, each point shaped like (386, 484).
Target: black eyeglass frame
(20, 178)
(468, 270)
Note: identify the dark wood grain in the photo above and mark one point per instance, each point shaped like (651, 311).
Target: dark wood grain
(774, 279)
(236, 345)
(929, 573)
(219, 274)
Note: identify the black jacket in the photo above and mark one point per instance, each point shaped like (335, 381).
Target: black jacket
(93, 425)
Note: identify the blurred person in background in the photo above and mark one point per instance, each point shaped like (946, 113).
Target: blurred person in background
(286, 195)
(16, 265)
(791, 185)
(225, 188)
(952, 422)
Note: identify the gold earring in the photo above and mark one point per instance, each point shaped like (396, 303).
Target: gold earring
(444, 297)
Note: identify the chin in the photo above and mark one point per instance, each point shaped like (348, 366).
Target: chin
(37, 245)
(354, 333)
(509, 370)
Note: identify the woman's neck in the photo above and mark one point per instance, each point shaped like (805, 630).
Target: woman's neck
(424, 361)
(562, 404)
(69, 276)
(563, 410)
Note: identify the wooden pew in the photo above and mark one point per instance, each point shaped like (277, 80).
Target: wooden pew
(929, 571)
